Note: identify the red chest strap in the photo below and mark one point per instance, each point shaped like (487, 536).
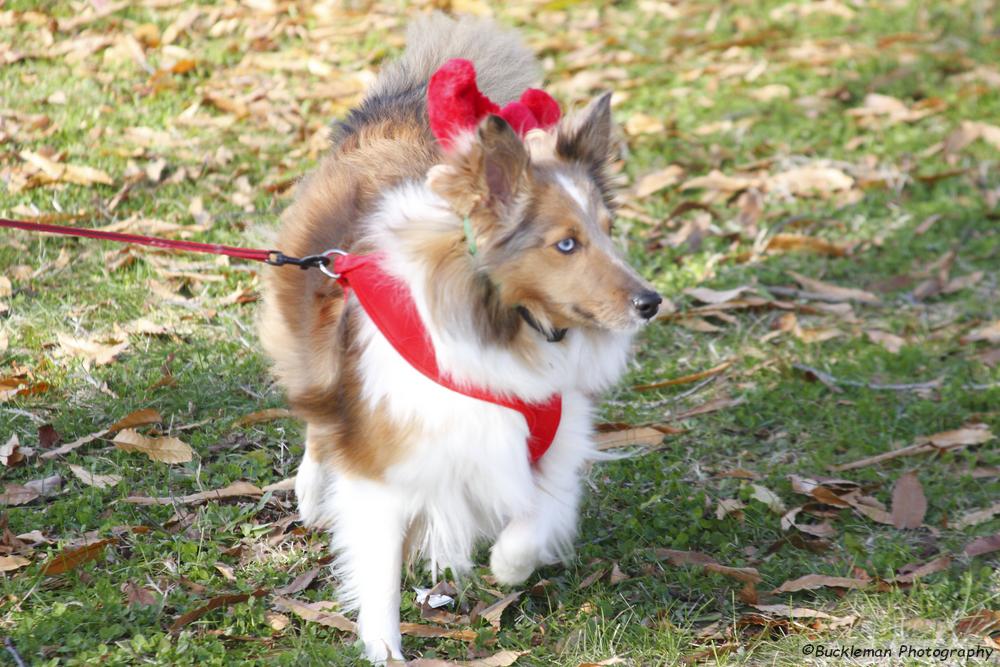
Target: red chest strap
(389, 304)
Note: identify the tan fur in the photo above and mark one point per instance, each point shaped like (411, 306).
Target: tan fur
(303, 325)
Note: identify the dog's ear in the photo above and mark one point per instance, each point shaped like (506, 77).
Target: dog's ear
(484, 178)
(504, 163)
(586, 136)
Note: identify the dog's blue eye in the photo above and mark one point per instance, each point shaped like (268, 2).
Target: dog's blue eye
(566, 246)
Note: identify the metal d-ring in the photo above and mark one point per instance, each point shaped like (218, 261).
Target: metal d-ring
(327, 253)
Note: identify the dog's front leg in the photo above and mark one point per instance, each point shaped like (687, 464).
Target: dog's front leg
(544, 534)
(368, 534)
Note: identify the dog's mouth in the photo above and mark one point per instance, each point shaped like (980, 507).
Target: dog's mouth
(625, 318)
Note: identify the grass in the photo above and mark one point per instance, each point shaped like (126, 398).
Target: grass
(674, 60)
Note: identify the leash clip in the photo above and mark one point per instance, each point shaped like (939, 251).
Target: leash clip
(320, 261)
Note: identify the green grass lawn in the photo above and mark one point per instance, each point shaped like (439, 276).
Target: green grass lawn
(199, 118)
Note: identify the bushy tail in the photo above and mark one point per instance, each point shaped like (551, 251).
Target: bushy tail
(504, 66)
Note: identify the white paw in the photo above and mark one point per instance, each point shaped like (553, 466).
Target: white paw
(310, 486)
(515, 555)
(378, 650)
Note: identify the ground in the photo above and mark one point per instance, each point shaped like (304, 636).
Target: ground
(766, 145)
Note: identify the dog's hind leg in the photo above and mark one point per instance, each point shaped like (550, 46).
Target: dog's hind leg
(370, 525)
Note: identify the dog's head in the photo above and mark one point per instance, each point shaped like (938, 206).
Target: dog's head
(541, 214)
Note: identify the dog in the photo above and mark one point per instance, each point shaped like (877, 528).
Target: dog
(504, 244)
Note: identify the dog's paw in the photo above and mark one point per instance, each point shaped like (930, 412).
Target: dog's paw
(378, 651)
(515, 555)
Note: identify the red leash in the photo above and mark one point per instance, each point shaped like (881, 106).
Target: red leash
(386, 299)
(272, 257)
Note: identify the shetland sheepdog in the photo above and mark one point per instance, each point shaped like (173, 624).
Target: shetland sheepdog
(398, 467)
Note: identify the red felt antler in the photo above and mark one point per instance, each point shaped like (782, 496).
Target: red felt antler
(455, 105)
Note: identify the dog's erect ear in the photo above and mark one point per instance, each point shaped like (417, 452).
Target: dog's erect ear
(586, 137)
(486, 176)
(505, 163)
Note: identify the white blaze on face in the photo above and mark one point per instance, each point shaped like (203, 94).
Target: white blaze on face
(574, 191)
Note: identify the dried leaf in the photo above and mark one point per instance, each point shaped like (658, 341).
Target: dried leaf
(679, 558)
(70, 559)
(707, 295)
(234, 490)
(70, 446)
(214, 603)
(90, 479)
(16, 494)
(658, 180)
(931, 567)
(493, 613)
(138, 596)
(795, 242)
(714, 405)
(983, 545)
(501, 659)
(909, 505)
(684, 379)
(977, 517)
(768, 497)
(989, 333)
(890, 342)
(833, 292)
(137, 418)
(11, 563)
(643, 436)
(813, 581)
(436, 631)
(270, 414)
(278, 622)
(299, 583)
(972, 434)
(167, 450)
(309, 611)
(10, 455)
(810, 180)
(91, 350)
(788, 611)
(66, 173)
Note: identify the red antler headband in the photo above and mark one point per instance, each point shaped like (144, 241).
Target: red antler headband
(454, 104)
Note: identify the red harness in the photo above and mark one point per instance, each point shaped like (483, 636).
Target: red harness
(387, 301)
(390, 306)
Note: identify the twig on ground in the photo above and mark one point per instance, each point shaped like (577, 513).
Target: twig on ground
(833, 382)
(8, 644)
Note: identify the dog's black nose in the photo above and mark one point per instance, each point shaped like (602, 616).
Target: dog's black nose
(647, 303)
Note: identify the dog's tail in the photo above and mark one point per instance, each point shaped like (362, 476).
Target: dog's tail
(504, 66)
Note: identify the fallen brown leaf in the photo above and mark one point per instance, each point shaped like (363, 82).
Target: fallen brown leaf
(643, 436)
(137, 418)
(10, 454)
(931, 567)
(214, 603)
(493, 613)
(167, 450)
(11, 563)
(813, 581)
(832, 292)
(684, 379)
(795, 242)
(65, 173)
(91, 479)
(501, 659)
(94, 351)
(309, 611)
(977, 517)
(909, 505)
(17, 494)
(708, 295)
(971, 434)
(989, 333)
(234, 490)
(138, 596)
(982, 545)
(658, 180)
(709, 406)
(270, 414)
(890, 342)
(70, 559)
(709, 564)
(436, 631)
